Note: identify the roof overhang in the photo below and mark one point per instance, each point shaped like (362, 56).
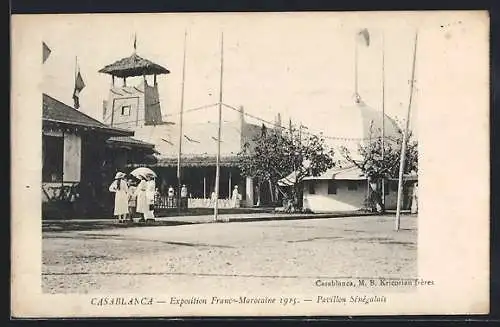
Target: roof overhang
(197, 161)
(110, 131)
(133, 66)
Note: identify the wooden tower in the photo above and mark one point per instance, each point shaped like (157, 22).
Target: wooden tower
(133, 106)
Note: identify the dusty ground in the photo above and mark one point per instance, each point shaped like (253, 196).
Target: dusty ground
(270, 255)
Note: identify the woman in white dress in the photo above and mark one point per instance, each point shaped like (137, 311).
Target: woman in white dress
(150, 197)
(142, 202)
(120, 188)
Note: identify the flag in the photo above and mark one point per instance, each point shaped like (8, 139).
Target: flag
(215, 139)
(79, 86)
(46, 52)
(135, 42)
(365, 35)
(167, 141)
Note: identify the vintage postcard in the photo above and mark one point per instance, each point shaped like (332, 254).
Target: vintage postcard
(250, 164)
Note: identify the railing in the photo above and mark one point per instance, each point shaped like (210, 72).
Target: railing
(63, 192)
(163, 202)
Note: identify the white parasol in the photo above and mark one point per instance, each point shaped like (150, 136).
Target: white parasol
(142, 172)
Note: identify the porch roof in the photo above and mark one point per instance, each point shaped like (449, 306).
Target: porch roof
(127, 140)
(352, 173)
(194, 161)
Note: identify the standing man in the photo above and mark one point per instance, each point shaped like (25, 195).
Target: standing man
(184, 197)
(171, 196)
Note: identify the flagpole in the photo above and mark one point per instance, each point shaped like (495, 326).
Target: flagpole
(180, 127)
(356, 94)
(217, 171)
(76, 77)
(405, 137)
(383, 115)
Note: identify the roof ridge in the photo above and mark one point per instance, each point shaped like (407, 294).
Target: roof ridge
(97, 123)
(70, 107)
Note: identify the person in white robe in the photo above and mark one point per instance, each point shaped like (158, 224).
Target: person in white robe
(213, 199)
(235, 198)
(414, 199)
(171, 195)
(142, 202)
(120, 188)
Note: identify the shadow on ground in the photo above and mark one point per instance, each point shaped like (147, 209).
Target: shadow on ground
(65, 226)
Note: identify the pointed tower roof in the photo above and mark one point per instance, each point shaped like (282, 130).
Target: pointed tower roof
(133, 66)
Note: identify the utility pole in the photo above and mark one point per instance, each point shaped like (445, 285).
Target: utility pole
(405, 138)
(356, 91)
(180, 129)
(383, 116)
(217, 165)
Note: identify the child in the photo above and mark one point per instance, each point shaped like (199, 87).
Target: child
(132, 200)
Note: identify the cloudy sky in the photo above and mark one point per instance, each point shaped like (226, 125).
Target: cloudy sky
(299, 65)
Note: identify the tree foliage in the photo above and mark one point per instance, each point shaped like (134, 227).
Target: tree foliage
(374, 166)
(276, 153)
(377, 167)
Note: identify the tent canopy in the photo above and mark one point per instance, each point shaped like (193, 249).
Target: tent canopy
(288, 180)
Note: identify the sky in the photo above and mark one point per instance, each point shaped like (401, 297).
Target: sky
(293, 64)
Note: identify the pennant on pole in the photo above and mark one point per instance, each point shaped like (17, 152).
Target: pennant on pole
(135, 42)
(190, 139)
(365, 35)
(79, 86)
(46, 52)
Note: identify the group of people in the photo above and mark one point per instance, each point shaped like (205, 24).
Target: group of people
(235, 198)
(136, 195)
(133, 195)
(183, 196)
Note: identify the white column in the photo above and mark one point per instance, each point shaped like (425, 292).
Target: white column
(249, 192)
(230, 186)
(204, 187)
(72, 158)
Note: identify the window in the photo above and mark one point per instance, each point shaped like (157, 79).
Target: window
(332, 187)
(52, 153)
(312, 190)
(352, 186)
(386, 188)
(125, 110)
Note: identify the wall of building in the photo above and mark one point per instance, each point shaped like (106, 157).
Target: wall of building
(72, 158)
(152, 114)
(71, 165)
(120, 96)
(391, 198)
(141, 102)
(344, 200)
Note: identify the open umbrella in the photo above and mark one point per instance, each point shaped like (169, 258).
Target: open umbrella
(142, 172)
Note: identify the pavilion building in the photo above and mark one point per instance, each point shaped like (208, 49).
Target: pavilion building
(137, 108)
(80, 156)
